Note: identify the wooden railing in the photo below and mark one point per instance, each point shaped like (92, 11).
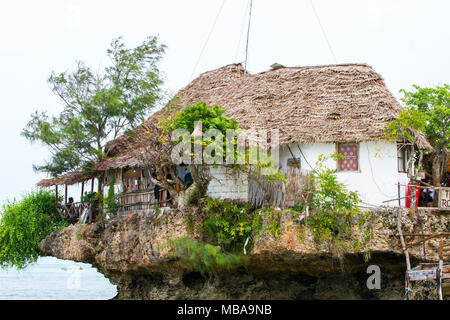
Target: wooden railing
(142, 200)
(76, 211)
(420, 197)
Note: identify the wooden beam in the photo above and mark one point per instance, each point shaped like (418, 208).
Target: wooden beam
(65, 196)
(402, 240)
(56, 201)
(82, 191)
(438, 234)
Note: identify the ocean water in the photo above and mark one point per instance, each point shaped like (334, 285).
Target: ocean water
(53, 279)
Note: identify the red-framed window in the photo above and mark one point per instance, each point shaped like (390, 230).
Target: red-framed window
(351, 153)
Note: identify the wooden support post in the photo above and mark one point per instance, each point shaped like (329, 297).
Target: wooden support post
(402, 240)
(398, 192)
(405, 250)
(122, 189)
(65, 195)
(293, 157)
(82, 191)
(439, 270)
(92, 185)
(56, 201)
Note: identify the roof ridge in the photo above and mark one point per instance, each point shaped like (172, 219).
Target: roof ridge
(356, 64)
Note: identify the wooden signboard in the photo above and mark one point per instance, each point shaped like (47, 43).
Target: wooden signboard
(444, 199)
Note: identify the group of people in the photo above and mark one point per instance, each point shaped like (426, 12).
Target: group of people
(426, 197)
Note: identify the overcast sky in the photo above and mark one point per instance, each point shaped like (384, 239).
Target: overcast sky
(405, 41)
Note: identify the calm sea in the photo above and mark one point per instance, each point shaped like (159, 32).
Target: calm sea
(54, 279)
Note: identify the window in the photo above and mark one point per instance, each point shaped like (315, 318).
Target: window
(403, 154)
(350, 152)
(293, 162)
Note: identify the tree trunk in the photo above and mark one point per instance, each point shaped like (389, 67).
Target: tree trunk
(439, 166)
(197, 190)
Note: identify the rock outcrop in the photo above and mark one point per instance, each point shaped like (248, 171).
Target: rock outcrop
(133, 252)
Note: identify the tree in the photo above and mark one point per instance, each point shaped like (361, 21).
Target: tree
(24, 224)
(200, 130)
(427, 110)
(98, 106)
(211, 117)
(333, 206)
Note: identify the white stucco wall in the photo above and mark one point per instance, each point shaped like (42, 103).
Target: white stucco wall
(377, 178)
(227, 183)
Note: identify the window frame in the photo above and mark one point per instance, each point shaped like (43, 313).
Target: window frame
(294, 163)
(405, 150)
(338, 165)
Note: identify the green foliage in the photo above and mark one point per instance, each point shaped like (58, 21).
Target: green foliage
(97, 105)
(190, 226)
(427, 110)
(298, 208)
(111, 201)
(204, 257)
(430, 112)
(265, 164)
(24, 224)
(158, 211)
(229, 224)
(273, 225)
(92, 198)
(400, 128)
(211, 116)
(332, 205)
(193, 197)
(95, 200)
(361, 241)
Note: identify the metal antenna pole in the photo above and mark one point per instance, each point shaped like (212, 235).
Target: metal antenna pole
(248, 36)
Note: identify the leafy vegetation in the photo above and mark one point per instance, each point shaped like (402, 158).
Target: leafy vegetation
(111, 201)
(211, 117)
(273, 224)
(427, 110)
(94, 199)
(204, 257)
(98, 106)
(229, 224)
(228, 230)
(331, 204)
(24, 224)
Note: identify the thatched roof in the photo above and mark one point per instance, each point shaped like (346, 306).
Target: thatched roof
(68, 178)
(135, 149)
(333, 103)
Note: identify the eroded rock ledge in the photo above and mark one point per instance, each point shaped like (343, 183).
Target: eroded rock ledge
(132, 252)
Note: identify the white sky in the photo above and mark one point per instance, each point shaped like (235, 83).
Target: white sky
(405, 41)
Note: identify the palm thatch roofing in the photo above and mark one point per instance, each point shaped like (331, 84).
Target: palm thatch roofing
(70, 178)
(326, 104)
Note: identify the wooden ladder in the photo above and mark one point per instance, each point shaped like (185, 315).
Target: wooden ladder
(425, 271)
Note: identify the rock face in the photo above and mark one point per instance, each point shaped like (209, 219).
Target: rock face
(133, 252)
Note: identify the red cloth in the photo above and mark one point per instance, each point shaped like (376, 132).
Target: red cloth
(409, 195)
